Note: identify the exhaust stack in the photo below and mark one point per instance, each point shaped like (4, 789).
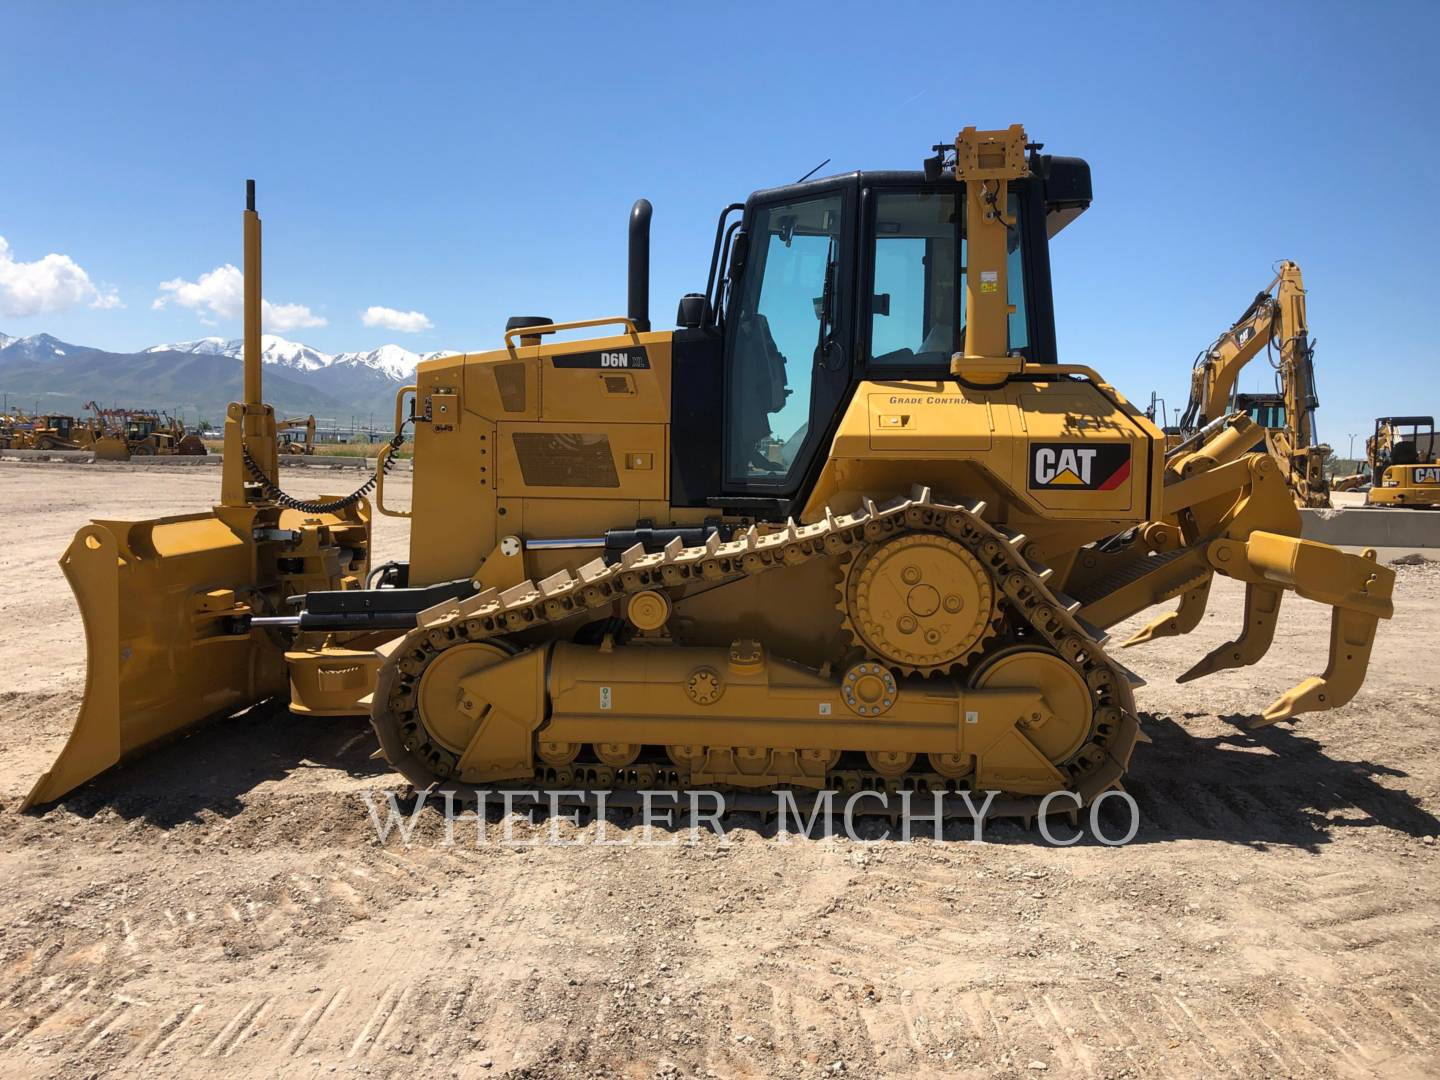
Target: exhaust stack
(638, 307)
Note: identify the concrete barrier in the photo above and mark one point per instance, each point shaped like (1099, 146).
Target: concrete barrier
(172, 461)
(82, 457)
(1377, 527)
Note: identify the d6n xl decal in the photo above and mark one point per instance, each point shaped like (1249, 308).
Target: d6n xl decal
(1078, 466)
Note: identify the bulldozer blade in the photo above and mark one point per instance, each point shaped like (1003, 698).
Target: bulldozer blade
(1352, 634)
(1180, 621)
(111, 448)
(158, 600)
(1262, 605)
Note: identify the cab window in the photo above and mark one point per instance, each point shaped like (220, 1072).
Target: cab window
(917, 303)
(915, 300)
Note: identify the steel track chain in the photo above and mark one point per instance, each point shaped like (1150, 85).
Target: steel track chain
(494, 615)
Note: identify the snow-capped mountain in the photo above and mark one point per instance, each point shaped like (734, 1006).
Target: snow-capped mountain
(392, 361)
(273, 350)
(216, 346)
(203, 376)
(36, 347)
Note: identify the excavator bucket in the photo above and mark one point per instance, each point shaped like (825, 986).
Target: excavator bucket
(160, 601)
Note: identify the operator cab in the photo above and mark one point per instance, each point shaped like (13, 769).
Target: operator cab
(821, 285)
(1267, 410)
(1411, 442)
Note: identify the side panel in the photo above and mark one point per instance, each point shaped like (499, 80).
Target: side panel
(1055, 451)
(453, 498)
(557, 422)
(581, 460)
(1082, 455)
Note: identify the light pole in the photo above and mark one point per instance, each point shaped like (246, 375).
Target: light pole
(1351, 454)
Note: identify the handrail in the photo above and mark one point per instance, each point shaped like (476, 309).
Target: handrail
(380, 463)
(579, 324)
(384, 456)
(411, 388)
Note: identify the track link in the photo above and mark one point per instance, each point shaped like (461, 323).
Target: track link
(591, 589)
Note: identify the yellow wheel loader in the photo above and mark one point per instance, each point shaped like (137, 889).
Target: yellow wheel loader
(850, 526)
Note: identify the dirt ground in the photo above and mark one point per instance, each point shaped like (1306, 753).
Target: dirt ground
(223, 906)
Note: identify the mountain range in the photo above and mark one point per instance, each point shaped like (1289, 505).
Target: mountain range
(197, 379)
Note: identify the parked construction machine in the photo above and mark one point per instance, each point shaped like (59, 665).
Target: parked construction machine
(55, 431)
(296, 435)
(1275, 321)
(107, 432)
(14, 430)
(851, 525)
(150, 433)
(1403, 463)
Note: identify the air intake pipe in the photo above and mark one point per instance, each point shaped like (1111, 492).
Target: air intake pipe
(638, 307)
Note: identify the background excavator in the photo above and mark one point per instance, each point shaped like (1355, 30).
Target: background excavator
(1403, 463)
(1275, 321)
(296, 435)
(851, 526)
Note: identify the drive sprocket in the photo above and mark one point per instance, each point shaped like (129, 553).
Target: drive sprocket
(920, 602)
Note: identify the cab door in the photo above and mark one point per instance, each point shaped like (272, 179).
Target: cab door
(789, 340)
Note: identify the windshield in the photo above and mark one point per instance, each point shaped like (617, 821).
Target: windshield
(785, 315)
(917, 305)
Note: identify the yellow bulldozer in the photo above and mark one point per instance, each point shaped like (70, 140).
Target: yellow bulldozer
(851, 526)
(149, 433)
(107, 433)
(119, 434)
(54, 431)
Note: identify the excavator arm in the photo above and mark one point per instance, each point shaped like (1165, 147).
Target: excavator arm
(1217, 368)
(1275, 320)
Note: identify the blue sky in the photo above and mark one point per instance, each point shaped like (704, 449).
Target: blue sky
(468, 163)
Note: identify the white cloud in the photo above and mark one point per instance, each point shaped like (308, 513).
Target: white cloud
(291, 317)
(220, 294)
(53, 283)
(405, 322)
